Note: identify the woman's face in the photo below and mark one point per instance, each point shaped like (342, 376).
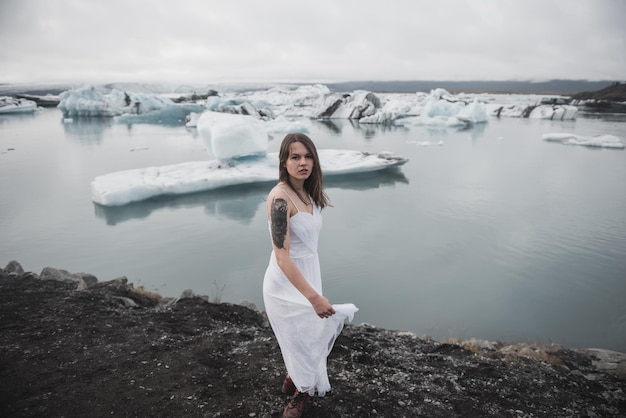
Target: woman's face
(299, 164)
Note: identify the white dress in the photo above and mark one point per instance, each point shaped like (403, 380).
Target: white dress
(304, 338)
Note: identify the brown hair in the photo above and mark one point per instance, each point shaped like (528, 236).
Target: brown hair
(312, 185)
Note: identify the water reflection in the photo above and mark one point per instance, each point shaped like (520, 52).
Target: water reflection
(370, 130)
(366, 181)
(87, 129)
(366, 130)
(606, 117)
(168, 116)
(331, 124)
(12, 117)
(476, 131)
(239, 203)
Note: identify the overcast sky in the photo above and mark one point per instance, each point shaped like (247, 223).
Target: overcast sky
(210, 41)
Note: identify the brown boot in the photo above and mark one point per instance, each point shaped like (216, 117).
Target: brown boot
(295, 407)
(288, 387)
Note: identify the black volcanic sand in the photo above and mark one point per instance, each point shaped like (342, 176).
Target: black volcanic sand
(85, 353)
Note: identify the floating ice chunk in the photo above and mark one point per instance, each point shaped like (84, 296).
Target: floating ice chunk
(237, 106)
(600, 141)
(13, 105)
(554, 112)
(534, 111)
(283, 125)
(191, 121)
(123, 187)
(380, 118)
(475, 112)
(425, 143)
(442, 108)
(86, 100)
(229, 136)
(340, 162)
(359, 104)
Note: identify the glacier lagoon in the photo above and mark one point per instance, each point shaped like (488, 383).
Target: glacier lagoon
(487, 232)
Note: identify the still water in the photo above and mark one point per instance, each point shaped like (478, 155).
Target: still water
(493, 234)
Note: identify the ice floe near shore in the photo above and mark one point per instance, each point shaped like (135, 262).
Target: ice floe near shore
(239, 144)
(123, 187)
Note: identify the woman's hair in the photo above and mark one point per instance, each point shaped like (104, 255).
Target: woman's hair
(312, 185)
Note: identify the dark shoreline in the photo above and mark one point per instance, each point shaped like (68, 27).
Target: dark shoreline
(71, 345)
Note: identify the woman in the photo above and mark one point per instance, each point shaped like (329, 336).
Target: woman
(303, 320)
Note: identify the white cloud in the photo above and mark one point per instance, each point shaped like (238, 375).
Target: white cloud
(325, 40)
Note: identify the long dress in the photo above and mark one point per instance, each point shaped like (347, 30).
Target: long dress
(304, 338)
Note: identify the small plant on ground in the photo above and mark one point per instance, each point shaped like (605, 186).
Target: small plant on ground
(216, 292)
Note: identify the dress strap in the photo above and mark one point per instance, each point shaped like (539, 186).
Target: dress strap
(294, 203)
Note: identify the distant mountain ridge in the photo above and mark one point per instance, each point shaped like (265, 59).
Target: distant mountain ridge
(559, 87)
(556, 87)
(615, 92)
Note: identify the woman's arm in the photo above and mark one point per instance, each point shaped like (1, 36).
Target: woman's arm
(280, 212)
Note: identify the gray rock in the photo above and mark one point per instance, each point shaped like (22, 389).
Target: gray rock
(30, 275)
(119, 283)
(59, 275)
(187, 293)
(248, 305)
(82, 280)
(608, 361)
(14, 267)
(127, 302)
(88, 279)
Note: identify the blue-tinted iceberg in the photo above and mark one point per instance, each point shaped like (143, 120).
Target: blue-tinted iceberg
(86, 100)
(229, 136)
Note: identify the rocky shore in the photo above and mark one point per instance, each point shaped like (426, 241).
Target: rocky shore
(74, 346)
(609, 99)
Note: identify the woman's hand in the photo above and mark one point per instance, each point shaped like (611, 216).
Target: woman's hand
(322, 306)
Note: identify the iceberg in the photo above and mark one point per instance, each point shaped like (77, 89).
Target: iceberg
(239, 203)
(439, 111)
(232, 136)
(237, 107)
(10, 105)
(123, 187)
(85, 100)
(239, 144)
(534, 110)
(600, 141)
(300, 101)
(354, 106)
(438, 107)
(554, 112)
(49, 100)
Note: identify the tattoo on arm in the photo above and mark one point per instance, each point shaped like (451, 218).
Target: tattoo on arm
(278, 214)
